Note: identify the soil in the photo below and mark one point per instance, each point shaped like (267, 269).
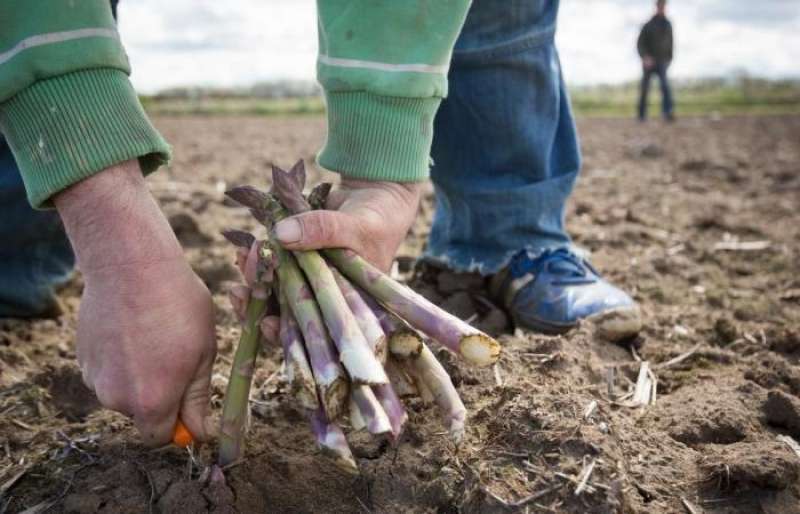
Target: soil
(660, 209)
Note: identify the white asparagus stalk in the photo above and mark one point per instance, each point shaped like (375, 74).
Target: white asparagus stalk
(430, 373)
(370, 410)
(329, 375)
(367, 320)
(297, 369)
(331, 441)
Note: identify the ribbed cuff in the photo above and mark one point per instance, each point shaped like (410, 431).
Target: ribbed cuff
(374, 137)
(67, 128)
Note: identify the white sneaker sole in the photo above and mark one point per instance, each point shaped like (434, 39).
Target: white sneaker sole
(617, 324)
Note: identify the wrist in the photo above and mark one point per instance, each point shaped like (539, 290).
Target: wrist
(112, 220)
(405, 190)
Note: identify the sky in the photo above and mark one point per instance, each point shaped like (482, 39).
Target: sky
(208, 42)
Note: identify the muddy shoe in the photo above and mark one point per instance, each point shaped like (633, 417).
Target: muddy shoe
(556, 289)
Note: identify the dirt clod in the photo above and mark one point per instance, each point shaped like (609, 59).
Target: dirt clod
(783, 410)
(183, 496)
(770, 465)
(725, 331)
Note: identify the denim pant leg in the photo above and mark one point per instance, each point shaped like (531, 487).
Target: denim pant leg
(505, 149)
(666, 91)
(35, 254)
(644, 91)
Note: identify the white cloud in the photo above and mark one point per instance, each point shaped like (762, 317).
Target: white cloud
(183, 42)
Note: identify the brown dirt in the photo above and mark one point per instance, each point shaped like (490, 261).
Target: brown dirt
(652, 203)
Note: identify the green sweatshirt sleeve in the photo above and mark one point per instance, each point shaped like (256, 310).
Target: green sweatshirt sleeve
(383, 68)
(67, 108)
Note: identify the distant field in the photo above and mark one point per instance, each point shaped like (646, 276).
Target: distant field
(217, 105)
(693, 98)
(703, 98)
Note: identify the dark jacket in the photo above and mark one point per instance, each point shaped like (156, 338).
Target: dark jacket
(655, 39)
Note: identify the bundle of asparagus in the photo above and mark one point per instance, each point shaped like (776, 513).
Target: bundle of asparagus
(352, 337)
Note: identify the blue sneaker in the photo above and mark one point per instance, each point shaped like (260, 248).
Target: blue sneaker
(551, 292)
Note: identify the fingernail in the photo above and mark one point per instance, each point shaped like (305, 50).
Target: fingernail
(288, 231)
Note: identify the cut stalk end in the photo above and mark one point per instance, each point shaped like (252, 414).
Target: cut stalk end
(405, 344)
(479, 349)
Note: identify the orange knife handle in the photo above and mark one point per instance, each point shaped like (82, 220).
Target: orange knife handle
(181, 437)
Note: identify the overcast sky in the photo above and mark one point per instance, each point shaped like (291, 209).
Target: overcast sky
(208, 42)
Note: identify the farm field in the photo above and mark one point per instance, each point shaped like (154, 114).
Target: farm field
(698, 219)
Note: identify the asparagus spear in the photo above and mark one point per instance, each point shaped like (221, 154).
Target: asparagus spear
(365, 317)
(393, 407)
(389, 322)
(357, 421)
(332, 442)
(456, 335)
(328, 373)
(371, 328)
(430, 373)
(298, 370)
(237, 407)
(403, 341)
(370, 410)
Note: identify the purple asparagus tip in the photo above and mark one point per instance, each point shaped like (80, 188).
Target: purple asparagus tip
(298, 174)
(248, 196)
(239, 238)
(285, 188)
(318, 196)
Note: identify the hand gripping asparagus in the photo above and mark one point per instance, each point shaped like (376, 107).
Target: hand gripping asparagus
(456, 335)
(355, 352)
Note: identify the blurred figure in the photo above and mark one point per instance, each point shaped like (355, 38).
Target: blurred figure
(655, 49)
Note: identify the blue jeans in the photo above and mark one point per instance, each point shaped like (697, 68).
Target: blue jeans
(660, 69)
(505, 149)
(35, 254)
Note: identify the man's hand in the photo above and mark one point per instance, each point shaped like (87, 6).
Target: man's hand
(369, 217)
(146, 323)
(648, 62)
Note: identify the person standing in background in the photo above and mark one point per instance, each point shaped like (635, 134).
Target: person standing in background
(655, 48)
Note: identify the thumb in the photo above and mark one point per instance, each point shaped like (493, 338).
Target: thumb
(195, 404)
(320, 229)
